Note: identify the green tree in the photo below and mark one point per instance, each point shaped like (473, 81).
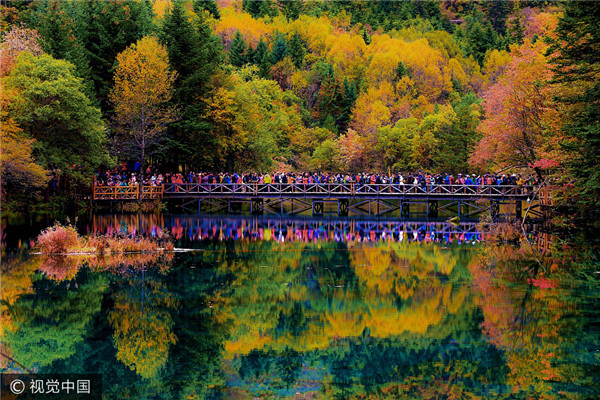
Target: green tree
(480, 38)
(50, 106)
(62, 35)
(458, 139)
(196, 55)
(515, 28)
(237, 50)
(208, 5)
(297, 49)
(497, 13)
(107, 29)
(291, 8)
(260, 8)
(280, 49)
(347, 104)
(262, 58)
(325, 156)
(366, 37)
(577, 66)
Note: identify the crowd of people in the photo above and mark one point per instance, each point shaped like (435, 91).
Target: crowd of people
(421, 179)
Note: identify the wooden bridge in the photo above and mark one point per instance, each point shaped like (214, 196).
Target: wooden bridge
(297, 197)
(130, 192)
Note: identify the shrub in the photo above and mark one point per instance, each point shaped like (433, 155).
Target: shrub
(58, 239)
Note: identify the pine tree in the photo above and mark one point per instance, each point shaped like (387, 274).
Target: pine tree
(350, 96)
(402, 71)
(259, 8)
(260, 52)
(297, 49)
(208, 5)
(577, 64)
(62, 36)
(237, 50)
(515, 29)
(291, 8)
(280, 49)
(366, 37)
(262, 58)
(497, 14)
(196, 55)
(110, 27)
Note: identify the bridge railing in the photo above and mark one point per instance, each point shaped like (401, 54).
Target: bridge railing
(341, 189)
(129, 192)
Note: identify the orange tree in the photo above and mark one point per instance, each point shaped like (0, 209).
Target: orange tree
(142, 90)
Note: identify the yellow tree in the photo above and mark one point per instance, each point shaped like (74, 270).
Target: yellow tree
(141, 94)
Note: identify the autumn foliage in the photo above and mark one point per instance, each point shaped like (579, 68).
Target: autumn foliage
(64, 239)
(142, 90)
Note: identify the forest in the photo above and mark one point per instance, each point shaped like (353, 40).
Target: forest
(344, 86)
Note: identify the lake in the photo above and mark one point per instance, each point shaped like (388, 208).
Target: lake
(309, 308)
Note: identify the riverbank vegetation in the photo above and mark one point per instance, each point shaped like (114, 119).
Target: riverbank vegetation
(289, 85)
(64, 239)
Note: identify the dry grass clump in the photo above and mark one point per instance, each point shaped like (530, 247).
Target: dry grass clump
(61, 239)
(58, 239)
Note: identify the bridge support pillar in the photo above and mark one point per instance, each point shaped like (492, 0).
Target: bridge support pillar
(342, 207)
(317, 207)
(519, 209)
(405, 208)
(494, 208)
(432, 208)
(256, 206)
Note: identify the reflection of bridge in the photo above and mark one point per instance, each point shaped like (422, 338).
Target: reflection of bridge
(196, 228)
(348, 197)
(238, 228)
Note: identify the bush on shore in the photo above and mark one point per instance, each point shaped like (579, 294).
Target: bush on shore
(64, 239)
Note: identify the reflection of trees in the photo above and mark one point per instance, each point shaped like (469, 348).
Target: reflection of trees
(539, 319)
(60, 267)
(53, 319)
(306, 303)
(195, 361)
(143, 327)
(346, 309)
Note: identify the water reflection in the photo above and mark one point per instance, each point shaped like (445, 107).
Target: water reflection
(323, 309)
(195, 228)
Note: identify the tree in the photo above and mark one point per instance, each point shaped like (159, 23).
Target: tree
(237, 50)
(259, 8)
(62, 35)
(143, 87)
(520, 114)
(15, 42)
(348, 100)
(107, 29)
(576, 62)
(291, 8)
(20, 173)
(50, 106)
(208, 5)
(458, 139)
(297, 49)
(195, 54)
(262, 59)
(280, 49)
(325, 156)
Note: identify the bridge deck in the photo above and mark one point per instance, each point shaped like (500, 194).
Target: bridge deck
(314, 191)
(346, 191)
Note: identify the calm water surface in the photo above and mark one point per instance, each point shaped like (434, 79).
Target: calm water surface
(306, 308)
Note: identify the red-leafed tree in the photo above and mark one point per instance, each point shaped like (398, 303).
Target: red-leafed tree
(520, 115)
